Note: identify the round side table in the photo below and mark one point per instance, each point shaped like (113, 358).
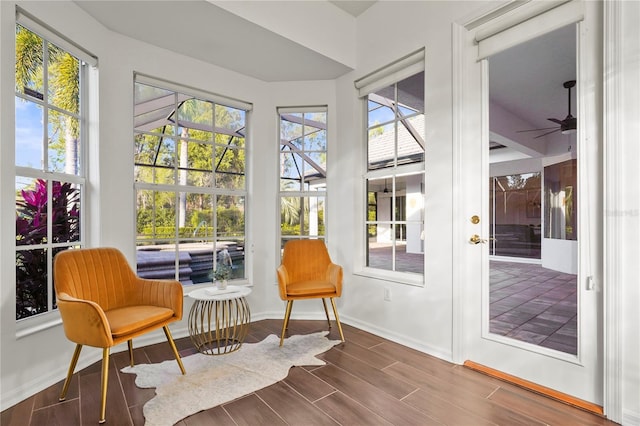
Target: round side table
(219, 319)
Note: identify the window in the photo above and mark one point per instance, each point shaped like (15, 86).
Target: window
(303, 173)
(394, 180)
(190, 180)
(515, 210)
(560, 200)
(50, 143)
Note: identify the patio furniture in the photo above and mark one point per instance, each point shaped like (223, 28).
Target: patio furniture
(103, 303)
(307, 272)
(219, 319)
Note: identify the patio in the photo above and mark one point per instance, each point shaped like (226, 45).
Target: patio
(528, 303)
(534, 304)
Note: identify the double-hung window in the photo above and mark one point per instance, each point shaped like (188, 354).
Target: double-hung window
(394, 179)
(190, 180)
(303, 173)
(50, 146)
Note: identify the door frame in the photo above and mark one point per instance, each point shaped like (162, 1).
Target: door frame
(611, 346)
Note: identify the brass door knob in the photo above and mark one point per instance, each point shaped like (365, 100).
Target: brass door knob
(475, 239)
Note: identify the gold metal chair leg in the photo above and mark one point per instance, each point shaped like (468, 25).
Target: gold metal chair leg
(72, 366)
(285, 323)
(326, 312)
(173, 347)
(130, 345)
(103, 387)
(335, 312)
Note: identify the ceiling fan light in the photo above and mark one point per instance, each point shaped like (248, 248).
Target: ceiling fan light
(568, 131)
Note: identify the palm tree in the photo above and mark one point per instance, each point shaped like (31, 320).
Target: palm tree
(35, 59)
(63, 72)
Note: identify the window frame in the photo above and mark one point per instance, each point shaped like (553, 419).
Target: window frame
(389, 75)
(211, 190)
(301, 193)
(86, 66)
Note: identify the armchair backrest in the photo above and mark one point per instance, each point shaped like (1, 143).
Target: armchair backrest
(306, 260)
(101, 275)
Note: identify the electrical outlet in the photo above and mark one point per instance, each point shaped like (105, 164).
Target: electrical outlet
(387, 294)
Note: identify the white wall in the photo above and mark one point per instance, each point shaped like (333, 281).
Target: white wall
(420, 317)
(623, 210)
(40, 359)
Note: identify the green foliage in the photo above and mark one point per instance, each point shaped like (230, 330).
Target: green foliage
(32, 228)
(222, 272)
(62, 91)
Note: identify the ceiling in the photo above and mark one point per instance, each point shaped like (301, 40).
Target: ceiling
(353, 8)
(526, 80)
(209, 33)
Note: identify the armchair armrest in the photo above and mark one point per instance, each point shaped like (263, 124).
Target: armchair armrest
(164, 293)
(283, 280)
(334, 275)
(84, 322)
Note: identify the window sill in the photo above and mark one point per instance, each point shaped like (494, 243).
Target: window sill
(397, 277)
(29, 326)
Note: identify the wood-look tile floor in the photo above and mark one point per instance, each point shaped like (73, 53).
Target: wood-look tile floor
(368, 380)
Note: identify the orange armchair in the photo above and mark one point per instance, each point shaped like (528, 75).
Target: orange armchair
(306, 272)
(103, 303)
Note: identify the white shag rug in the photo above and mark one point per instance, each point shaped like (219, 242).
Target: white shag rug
(214, 380)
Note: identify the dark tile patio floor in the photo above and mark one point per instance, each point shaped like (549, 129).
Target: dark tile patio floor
(534, 304)
(529, 303)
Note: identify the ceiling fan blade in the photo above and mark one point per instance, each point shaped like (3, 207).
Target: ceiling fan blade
(555, 120)
(548, 133)
(536, 130)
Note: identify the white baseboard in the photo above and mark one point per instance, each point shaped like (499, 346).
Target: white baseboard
(90, 355)
(401, 339)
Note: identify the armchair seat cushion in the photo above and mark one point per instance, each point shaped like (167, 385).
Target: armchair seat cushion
(311, 288)
(131, 319)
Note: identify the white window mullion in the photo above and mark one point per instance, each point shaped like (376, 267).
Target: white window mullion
(49, 249)
(391, 157)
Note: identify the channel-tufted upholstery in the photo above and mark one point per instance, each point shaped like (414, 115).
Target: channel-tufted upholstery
(103, 303)
(307, 272)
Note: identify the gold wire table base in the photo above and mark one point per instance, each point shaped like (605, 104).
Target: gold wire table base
(219, 327)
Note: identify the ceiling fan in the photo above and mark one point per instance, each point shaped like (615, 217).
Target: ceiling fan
(568, 125)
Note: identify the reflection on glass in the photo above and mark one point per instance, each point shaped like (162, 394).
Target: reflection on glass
(560, 183)
(514, 202)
